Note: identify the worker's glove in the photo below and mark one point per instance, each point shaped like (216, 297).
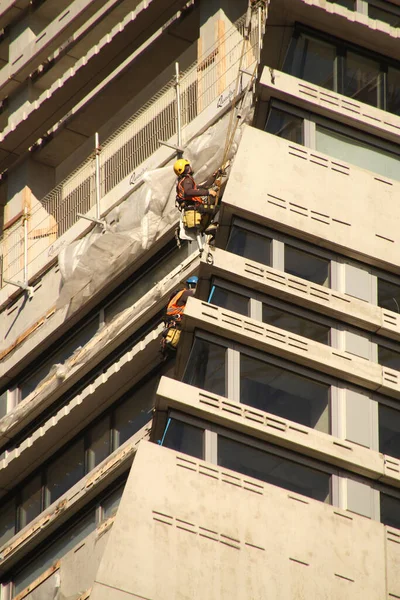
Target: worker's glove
(212, 193)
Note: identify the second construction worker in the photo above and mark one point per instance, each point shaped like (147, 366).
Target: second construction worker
(195, 202)
(174, 312)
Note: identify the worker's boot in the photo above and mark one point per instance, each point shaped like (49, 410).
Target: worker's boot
(211, 229)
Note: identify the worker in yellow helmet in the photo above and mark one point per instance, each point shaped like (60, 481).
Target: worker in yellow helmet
(192, 199)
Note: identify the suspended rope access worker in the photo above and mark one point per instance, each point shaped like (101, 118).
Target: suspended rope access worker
(196, 203)
(175, 309)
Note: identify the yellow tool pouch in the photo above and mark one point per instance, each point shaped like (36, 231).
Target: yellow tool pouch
(172, 337)
(191, 218)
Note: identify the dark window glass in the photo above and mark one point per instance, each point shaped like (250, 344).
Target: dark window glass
(306, 265)
(7, 521)
(393, 91)
(312, 60)
(99, 443)
(388, 358)
(206, 367)
(387, 16)
(295, 324)
(250, 245)
(273, 469)
(185, 438)
(390, 510)
(389, 431)
(3, 404)
(31, 501)
(284, 393)
(60, 356)
(229, 300)
(361, 78)
(345, 3)
(135, 412)
(65, 471)
(285, 125)
(110, 504)
(388, 295)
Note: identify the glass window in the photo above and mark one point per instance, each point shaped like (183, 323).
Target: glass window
(345, 3)
(60, 356)
(206, 367)
(7, 521)
(356, 152)
(285, 125)
(99, 446)
(229, 300)
(54, 552)
(388, 295)
(65, 471)
(389, 431)
(295, 324)
(141, 286)
(31, 501)
(185, 438)
(273, 469)
(110, 504)
(393, 90)
(390, 510)
(307, 266)
(3, 404)
(361, 78)
(388, 358)
(135, 412)
(283, 393)
(311, 59)
(250, 245)
(390, 16)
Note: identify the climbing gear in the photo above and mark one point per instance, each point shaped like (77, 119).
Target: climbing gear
(180, 191)
(170, 339)
(179, 166)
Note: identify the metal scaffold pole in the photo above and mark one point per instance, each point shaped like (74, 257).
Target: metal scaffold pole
(178, 106)
(97, 220)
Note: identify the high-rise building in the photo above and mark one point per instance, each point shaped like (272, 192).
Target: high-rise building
(262, 458)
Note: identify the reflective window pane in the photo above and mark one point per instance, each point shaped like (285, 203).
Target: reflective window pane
(386, 14)
(206, 367)
(295, 324)
(3, 404)
(31, 501)
(389, 431)
(99, 443)
(135, 411)
(393, 90)
(390, 510)
(283, 393)
(250, 245)
(312, 60)
(185, 438)
(273, 469)
(361, 78)
(110, 504)
(306, 265)
(349, 4)
(65, 471)
(388, 358)
(388, 295)
(229, 300)
(7, 521)
(356, 152)
(285, 125)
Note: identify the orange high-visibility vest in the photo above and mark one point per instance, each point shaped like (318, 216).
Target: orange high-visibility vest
(180, 192)
(173, 308)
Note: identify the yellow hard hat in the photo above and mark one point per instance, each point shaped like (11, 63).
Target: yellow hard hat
(180, 165)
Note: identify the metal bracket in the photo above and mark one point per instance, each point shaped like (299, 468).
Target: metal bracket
(100, 222)
(23, 286)
(178, 149)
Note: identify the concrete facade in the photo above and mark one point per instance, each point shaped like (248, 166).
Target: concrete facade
(262, 459)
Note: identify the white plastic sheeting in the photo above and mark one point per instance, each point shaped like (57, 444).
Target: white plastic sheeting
(134, 225)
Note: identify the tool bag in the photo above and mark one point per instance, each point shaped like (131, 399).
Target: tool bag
(170, 339)
(191, 219)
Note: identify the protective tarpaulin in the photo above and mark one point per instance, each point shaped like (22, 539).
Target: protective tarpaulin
(134, 225)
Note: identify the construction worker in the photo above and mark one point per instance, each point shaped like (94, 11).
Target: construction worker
(175, 309)
(197, 211)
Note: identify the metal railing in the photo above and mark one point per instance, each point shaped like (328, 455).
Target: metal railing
(206, 81)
